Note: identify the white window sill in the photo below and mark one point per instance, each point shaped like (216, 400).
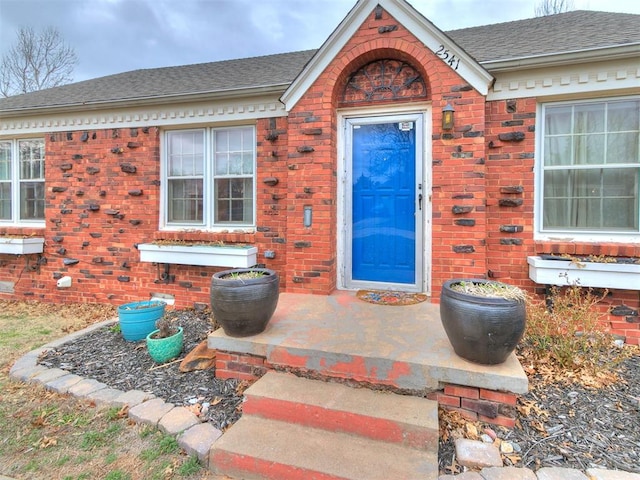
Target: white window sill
(21, 246)
(204, 255)
(621, 276)
(577, 237)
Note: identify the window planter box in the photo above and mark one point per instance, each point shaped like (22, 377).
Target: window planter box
(624, 276)
(21, 246)
(205, 255)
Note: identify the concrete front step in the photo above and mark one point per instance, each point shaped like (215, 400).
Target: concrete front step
(401, 419)
(257, 448)
(295, 428)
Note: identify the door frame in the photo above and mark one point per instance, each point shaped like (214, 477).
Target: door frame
(423, 176)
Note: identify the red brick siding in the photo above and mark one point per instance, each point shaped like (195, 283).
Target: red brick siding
(97, 221)
(511, 164)
(458, 166)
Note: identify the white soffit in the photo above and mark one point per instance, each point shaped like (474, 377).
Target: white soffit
(155, 115)
(427, 33)
(576, 79)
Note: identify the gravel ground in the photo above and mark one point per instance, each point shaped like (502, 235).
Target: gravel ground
(105, 356)
(560, 424)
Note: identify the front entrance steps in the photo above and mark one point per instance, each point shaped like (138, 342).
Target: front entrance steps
(296, 428)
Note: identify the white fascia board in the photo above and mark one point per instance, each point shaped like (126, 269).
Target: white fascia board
(163, 115)
(425, 31)
(615, 76)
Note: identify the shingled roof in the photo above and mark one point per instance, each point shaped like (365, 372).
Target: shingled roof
(553, 34)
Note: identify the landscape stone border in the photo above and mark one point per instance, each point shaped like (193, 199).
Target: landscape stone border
(196, 437)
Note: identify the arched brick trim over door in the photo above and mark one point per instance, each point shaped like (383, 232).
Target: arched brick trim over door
(384, 79)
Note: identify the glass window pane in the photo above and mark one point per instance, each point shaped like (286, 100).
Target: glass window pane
(595, 134)
(235, 140)
(556, 213)
(5, 160)
(235, 151)
(221, 140)
(32, 201)
(623, 148)
(235, 163)
(31, 155)
(589, 118)
(588, 149)
(222, 164)
(620, 202)
(185, 201)
(234, 200)
(186, 153)
(623, 116)
(557, 151)
(556, 183)
(558, 120)
(5, 201)
(247, 163)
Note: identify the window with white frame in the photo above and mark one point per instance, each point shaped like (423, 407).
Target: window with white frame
(590, 173)
(210, 177)
(22, 181)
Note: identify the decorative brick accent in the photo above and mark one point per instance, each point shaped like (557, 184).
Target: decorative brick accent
(479, 404)
(462, 392)
(240, 366)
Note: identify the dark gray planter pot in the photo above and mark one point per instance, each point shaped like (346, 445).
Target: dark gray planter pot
(243, 307)
(481, 329)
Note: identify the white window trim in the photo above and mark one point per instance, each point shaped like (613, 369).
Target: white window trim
(15, 220)
(581, 236)
(208, 175)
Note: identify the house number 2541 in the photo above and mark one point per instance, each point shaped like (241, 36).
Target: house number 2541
(448, 57)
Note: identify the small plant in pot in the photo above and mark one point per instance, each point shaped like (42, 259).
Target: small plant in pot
(484, 320)
(244, 299)
(165, 343)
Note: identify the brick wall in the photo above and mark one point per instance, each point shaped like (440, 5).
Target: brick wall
(458, 161)
(478, 404)
(102, 198)
(510, 160)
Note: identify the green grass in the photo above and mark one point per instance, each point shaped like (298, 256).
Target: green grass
(117, 475)
(45, 435)
(162, 445)
(97, 439)
(189, 467)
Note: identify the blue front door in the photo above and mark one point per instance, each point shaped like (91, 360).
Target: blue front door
(385, 204)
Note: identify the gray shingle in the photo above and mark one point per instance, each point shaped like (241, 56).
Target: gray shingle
(238, 74)
(566, 32)
(560, 33)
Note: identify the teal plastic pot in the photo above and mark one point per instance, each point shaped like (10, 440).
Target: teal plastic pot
(138, 319)
(164, 349)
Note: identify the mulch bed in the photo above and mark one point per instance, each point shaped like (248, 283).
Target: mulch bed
(561, 424)
(105, 356)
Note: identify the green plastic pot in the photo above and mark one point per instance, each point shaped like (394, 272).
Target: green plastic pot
(162, 350)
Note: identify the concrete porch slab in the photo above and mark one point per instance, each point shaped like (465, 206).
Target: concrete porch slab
(340, 335)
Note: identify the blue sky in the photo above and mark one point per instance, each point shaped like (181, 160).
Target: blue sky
(112, 36)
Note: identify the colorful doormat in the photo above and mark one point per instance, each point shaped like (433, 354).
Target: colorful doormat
(384, 297)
